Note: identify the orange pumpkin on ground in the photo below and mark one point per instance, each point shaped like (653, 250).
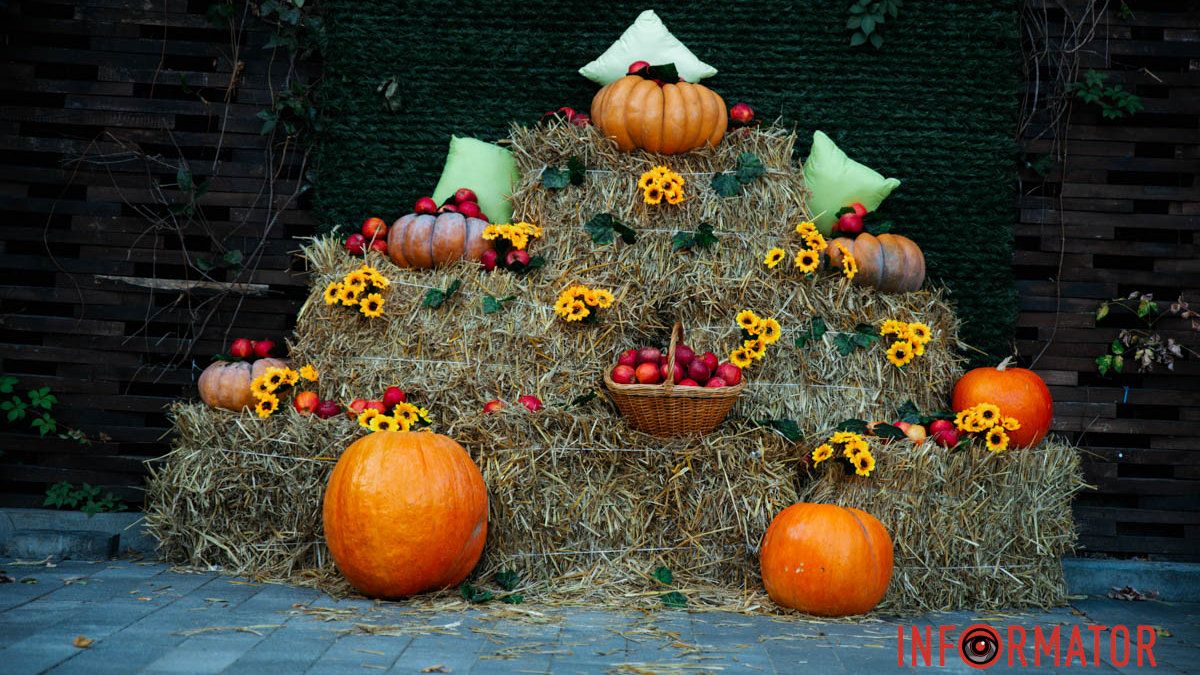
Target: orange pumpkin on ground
(424, 240)
(668, 119)
(1020, 393)
(226, 384)
(405, 512)
(826, 560)
(889, 262)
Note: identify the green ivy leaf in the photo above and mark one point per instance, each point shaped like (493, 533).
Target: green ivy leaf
(576, 170)
(7, 384)
(44, 424)
(1118, 363)
(15, 407)
(662, 574)
(508, 579)
(556, 179)
(749, 168)
(628, 235)
(858, 39)
(1104, 363)
(726, 185)
(1117, 347)
(42, 398)
(674, 600)
(1102, 311)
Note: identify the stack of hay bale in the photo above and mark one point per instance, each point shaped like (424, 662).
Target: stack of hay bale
(581, 504)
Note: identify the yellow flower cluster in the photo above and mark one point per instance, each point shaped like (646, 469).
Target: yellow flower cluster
(362, 288)
(405, 417)
(517, 234)
(908, 341)
(849, 446)
(661, 183)
(987, 418)
(808, 258)
(761, 332)
(574, 303)
(266, 387)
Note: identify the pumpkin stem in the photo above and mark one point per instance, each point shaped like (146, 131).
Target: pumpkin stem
(1004, 364)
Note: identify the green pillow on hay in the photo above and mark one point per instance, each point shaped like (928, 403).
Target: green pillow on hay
(836, 181)
(647, 39)
(488, 169)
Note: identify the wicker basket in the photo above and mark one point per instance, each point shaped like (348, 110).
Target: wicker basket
(670, 410)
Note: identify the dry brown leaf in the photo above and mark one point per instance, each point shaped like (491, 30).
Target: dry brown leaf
(82, 641)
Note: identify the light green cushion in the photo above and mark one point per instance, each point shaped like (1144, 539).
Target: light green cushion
(489, 170)
(646, 40)
(836, 181)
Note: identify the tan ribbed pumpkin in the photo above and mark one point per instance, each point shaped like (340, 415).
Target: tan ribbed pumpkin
(226, 384)
(889, 262)
(423, 240)
(668, 119)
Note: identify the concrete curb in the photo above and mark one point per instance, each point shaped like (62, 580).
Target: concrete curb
(1175, 582)
(130, 527)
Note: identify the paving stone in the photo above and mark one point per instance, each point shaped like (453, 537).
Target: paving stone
(41, 544)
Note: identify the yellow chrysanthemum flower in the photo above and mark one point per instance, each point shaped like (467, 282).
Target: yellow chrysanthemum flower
(674, 196)
(997, 440)
(740, 358)
(918, 348)
(844, 437)
(383, 423)
(365, 417)
(600, 298)
(309, 373)
(649, 179)
(579, 292)
(769, 331)
(900, 353)
(423, 413)
(919, 332)
(821, 453)
(407, 412)
(974, 423)
(748, 320)
(290, 377)
(988, 413)
(374, 278)
(864, 463)
(893, 327)
(856, 446)
(356, 279)
(963, 419)
(1010, 423)
(653, 195)
(261, 386)
(490, 232)
(333, 293)
(808, 260)
(562, 306)
(756, 348)
(849, 264)
(349, 295)
(806, 228)
(774, 257)
(578, 311)
(816, 242)
(372, 306)
(275, 377)
(266, 405)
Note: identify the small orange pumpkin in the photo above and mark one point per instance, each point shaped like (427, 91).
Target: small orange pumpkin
(826, 560)
(1019, 393)
(889, 262)
(424, 240)
(226, 384)
(668, 119)
(405, 512)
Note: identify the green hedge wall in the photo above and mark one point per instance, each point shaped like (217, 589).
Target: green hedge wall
(936, 107)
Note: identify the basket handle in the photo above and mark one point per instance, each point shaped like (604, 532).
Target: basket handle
(676, 338)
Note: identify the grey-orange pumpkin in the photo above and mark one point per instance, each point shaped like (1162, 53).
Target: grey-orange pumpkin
(889, 262)
(226, 384)
(424, 240)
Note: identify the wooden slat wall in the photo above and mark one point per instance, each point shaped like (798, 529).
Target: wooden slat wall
(87, 89)
(1121, 214)
(95, 77)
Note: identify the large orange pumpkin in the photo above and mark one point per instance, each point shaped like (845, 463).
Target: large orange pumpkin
(1020, 393)
(668, 119)
(424, 240)
(826, 560)
(405, 512)
(889, 262)
(226, 384)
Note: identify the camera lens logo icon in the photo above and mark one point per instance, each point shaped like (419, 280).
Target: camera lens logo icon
(979, 646)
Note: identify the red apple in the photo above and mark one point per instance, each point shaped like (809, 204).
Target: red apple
(859, 209)
(425, 205)
(849, 223)
(698, 370)
(516, 259)
(581, 120)
(629, 357)
(488, 259)
(241, 348)
(684, 355)
(376, 405)
(393, 396)
(648, 373)
(710, 359)
(374, 228)
(262, 348)
(678, 374)
(649, 355)
(492, 405)
(567, 112)
(356, 244)
(469, 209)
(447, 208)
(327, 409)
(306, 402)
(622, 374)
(662, 360)
(531, 402)
(636, 66)
(715, 383)
(464, 195)
(356, 407)
(379, 245)
(741, 113)
(688, 382)
(943, 433)
(483, 216)
(730, 373)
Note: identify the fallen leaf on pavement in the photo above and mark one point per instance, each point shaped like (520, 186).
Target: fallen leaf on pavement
(83, 641)
(439, 668)
(1131, 593)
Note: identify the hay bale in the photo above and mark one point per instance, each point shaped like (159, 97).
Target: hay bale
(583, 505)
(971, 529)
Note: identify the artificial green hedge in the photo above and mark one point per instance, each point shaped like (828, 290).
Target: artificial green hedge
(935, 107)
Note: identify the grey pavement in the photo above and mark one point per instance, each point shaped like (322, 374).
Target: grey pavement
(134, 617)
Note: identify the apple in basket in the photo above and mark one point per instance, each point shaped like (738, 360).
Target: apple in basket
(730, 373)
(648, 373)
(649, 355)
(676, 377)
(629, 357)
(622, 374)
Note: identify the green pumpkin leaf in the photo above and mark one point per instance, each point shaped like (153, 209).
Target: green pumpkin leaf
(577, 170)
(555, 179)
(474, 594)
(855, 426)
(726, 185)
(705, 236)
(512, 599)
(749, 168)
(674, 600)
(582, 399)
(628, 235)
(662, 575)
(600, 228)
(789, 429)
(508, 579)
(682, 240)
(816, 330)
(908, 412)
(666, 72)
(889, 431)
(491, 304)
